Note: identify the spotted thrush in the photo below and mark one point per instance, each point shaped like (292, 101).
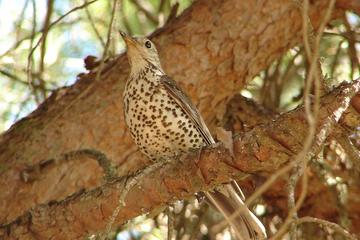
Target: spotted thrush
(164, 123)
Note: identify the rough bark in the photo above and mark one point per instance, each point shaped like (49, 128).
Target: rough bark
(322, 200)
(220, 46)
(263, 149)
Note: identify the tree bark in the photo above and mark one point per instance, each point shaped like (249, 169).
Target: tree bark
(220, 46)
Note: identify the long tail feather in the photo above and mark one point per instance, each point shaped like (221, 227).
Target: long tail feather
(229, 200)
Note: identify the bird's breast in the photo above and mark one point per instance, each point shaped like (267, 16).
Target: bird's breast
(157, 123)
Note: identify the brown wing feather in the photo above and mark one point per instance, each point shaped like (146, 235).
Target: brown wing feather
(185, 103)
(246, 226)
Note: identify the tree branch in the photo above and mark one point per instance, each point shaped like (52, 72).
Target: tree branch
(255, 151)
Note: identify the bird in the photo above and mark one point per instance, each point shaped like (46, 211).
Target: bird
(164, 123)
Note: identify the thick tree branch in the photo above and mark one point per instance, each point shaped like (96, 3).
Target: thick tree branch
(262, 149)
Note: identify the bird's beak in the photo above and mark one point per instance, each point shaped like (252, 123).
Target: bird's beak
(128, 39)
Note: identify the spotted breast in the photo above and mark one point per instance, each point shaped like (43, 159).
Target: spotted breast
(158, 125)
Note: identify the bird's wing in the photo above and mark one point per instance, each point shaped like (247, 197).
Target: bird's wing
(246, 225)
(185, 103)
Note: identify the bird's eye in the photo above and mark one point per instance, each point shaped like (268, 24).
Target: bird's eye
(148, 44)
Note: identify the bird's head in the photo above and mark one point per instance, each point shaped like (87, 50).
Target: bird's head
(140, 52)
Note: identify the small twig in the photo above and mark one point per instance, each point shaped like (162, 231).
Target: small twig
(92, 24)
(310, 153)
(103, 60)
(171, 221)
(323, 171)
(349, 149)
(352, 52)
(126, 22)
(259, 191)
(195, 232)
(12, 76)
(328, 224)
(151, 17)
(161, 6)
(34, 33)
(311, 112)
(49, 12)
(181, 219)
(173, 13)
(271, 97)
(291, 186)
(49, 27)
(130, 184)
(18, 24)
(104, 162)
(319, 139)
(336, 57)
(108, 40)
(31, 59)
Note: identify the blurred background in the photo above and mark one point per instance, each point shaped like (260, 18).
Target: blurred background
(43, 44)
(58, 59)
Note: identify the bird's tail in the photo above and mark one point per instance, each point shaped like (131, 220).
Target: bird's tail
(229, 201)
